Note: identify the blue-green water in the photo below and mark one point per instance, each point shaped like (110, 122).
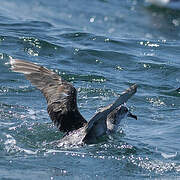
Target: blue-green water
(101, 47)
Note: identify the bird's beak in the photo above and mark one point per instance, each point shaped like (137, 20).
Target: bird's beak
(132, 115)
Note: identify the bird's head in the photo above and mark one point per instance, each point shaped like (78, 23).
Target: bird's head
(114, 118)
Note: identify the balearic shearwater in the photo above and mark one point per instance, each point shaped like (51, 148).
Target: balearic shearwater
(62, 107)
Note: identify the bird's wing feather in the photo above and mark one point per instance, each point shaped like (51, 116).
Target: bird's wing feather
(60, 95)
(101, 116)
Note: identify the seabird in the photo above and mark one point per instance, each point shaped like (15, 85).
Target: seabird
(62, 107)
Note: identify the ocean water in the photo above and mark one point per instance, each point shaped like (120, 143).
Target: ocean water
(102, 47)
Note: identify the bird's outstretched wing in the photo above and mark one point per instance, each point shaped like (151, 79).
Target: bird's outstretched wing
(60, 95)
(99, 119)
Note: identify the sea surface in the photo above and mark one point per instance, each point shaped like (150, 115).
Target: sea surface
(101, 47)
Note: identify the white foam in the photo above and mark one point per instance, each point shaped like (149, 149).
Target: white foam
(168, 156)
(10, 146)
(159, 2)
(12, 61)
